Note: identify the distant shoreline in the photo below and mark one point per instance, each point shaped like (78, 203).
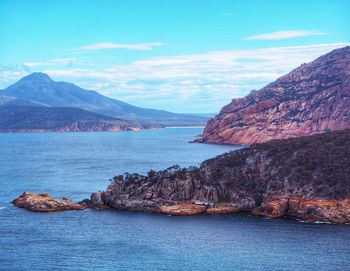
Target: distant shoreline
(29, 131)
(172, 127)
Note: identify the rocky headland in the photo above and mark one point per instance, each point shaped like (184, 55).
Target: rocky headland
(305, 178)
(313, 98)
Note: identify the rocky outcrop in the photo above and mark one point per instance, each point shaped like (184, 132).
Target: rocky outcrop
(333, 211)
(312, 99)
(45, 203)
(306, 178)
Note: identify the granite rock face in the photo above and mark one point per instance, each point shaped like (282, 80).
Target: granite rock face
(45, 203)
(305, 178)
(313, 98)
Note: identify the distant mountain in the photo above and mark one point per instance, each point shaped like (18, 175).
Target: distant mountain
(313, 98)
(40, 88)
(24, 118)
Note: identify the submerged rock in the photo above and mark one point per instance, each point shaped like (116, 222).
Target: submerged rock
(45, 203)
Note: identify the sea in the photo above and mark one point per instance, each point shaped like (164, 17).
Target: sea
(76, 164)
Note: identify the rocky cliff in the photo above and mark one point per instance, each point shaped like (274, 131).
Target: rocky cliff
(311, 99)
(306, 178)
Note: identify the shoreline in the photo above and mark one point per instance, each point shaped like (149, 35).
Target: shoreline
(30, 131)
(293, 209)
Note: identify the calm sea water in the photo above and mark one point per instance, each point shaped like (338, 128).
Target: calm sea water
(76, 164)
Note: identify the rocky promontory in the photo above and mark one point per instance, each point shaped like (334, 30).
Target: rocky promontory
(305, 178)
(312, 99)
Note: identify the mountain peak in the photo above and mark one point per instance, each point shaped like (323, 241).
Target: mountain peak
(37, 77)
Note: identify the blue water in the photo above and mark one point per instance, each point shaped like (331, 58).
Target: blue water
(75, 164)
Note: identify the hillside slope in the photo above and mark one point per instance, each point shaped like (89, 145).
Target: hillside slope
(311, 99)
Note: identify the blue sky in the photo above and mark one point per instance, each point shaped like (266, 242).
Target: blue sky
(183, 56)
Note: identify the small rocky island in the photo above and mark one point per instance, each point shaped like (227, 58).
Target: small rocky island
(306, 178)
(46, 203)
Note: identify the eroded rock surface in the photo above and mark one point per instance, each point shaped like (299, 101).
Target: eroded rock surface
(183, 209)
(311, 99)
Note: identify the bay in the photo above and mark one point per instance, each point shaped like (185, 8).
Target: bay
(76, 164)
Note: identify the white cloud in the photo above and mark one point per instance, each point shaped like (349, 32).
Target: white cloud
(283, 35)
(193, 82)
(35, 64)
(52, 62)
(111, 45)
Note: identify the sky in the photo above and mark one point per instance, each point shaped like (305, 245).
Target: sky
(183, 56)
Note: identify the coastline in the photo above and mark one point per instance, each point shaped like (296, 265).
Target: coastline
(296, 209)
(260, 179)
(8, 131)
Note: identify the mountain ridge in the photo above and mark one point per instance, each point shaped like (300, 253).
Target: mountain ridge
(39, 87)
